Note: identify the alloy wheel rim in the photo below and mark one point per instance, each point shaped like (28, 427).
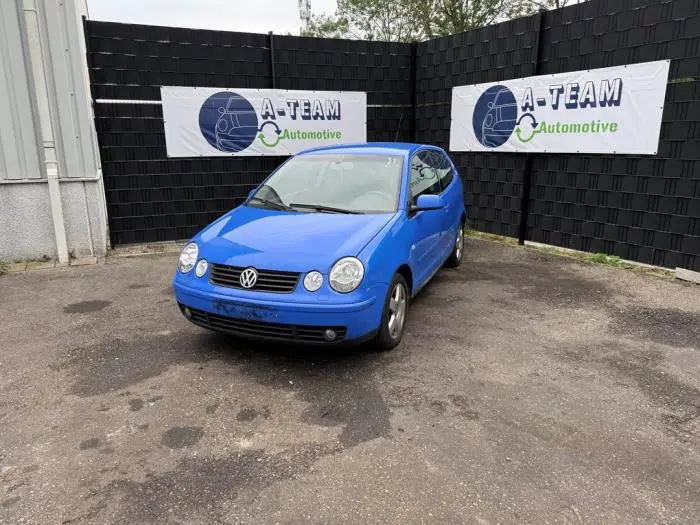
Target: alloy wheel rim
(397, 311)
(459, 243)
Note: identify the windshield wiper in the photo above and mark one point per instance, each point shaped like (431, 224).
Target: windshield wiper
(272, 204)
(319, 207)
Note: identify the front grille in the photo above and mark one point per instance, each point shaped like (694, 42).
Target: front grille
(268, 280)
(283, 332)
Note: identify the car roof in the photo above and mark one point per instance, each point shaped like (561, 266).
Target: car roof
(385, 148)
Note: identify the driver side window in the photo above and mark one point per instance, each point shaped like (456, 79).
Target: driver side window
(424, 176)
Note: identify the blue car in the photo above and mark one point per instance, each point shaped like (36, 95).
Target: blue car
(330, 249)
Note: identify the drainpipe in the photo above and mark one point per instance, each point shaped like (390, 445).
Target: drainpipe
(59, 226)
(39, 85)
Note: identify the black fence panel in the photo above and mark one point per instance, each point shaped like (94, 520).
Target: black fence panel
(493, 182)
(153, 198)
(643, 208)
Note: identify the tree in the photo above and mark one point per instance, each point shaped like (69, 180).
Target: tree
(410, 20)
(448, 17)
(549, 4)
(406, 20)
(329, 26)
(388, 20)
(519, 8)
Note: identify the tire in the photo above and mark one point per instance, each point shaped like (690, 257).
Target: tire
(388, 337)
(455, 258)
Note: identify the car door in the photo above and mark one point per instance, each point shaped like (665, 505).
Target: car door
(427, 226)
(451, 192)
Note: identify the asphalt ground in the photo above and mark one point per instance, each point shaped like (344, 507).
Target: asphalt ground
(529, 388)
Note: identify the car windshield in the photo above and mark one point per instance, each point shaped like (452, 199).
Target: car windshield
(334, 183)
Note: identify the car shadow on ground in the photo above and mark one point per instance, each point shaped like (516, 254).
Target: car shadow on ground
(337, 383)
(235, 350)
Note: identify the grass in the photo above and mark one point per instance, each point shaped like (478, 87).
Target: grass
(4, 267)
(602, 258)
(595, 258)
(489, 236)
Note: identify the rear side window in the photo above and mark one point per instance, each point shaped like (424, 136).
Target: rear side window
(424, 177)
(443, 168)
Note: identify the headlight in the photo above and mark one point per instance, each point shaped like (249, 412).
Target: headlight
(188, 257)
(201, 268)
(346, 274)
(313, 281)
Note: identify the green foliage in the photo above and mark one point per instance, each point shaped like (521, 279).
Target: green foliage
(602, 258)
(415, 20)
(476, 234)
(328, 26)
(386, 20)
(4, 267)
(437, 18)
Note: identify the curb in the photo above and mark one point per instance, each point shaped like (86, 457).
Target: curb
(151, 248)
(625, 264)
(33, 266)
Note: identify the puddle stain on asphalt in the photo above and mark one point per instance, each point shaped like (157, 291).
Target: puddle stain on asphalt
(555, 283)
(644, 369)
(182, 437)
(660, 387)
(176, 495)
(7, 503)
(464, 407)
(135, 404)
(662, 325)
(89, 443)
(339, 388)
(249, 414)
(86, 307)
(114, 364)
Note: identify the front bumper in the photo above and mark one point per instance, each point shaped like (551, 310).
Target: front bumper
(281, 317)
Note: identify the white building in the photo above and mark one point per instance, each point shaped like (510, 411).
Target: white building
(51, 189)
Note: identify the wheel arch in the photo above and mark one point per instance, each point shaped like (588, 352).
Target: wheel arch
(405, 271)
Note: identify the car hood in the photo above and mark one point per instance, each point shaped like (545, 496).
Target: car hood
(291, 241)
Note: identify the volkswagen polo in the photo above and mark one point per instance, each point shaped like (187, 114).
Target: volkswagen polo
(329, 249)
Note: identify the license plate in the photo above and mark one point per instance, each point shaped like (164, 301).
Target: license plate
(243, 311)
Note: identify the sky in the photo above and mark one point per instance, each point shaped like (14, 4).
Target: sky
(250, 16)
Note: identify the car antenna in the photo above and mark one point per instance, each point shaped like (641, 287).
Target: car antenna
(396, 137)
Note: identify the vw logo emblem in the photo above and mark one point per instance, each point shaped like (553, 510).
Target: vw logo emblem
(248, 277)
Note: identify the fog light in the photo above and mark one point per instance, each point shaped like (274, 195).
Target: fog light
(187, 313)
(313, 281)
(330, 334)
(201, 268)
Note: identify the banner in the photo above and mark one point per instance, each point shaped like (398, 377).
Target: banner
(608, 110)
(209, 122)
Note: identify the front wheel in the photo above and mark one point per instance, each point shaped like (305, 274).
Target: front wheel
(394, 314)
(455, 257)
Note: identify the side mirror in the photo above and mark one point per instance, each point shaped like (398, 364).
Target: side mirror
(427, 202)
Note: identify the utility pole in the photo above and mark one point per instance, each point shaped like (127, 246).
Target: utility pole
(304, 14)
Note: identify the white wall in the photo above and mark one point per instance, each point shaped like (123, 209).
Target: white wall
(51, 189)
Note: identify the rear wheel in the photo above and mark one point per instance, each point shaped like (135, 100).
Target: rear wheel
(455, 257)
(394, 315)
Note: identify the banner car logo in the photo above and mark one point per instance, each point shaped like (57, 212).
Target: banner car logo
(228, 122)
(495, 116)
